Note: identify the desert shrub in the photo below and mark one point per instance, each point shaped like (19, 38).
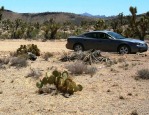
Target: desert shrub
(124, 66)
(36, 73)
(4, 35)
(91, 70)
(47, 55)
(77, 67)
(13, 54)
(109, 63)
(134, 112)
(121, 59)
(143, 74)
(62, 35)
(62, 82)
(18, 61)
(4, 60)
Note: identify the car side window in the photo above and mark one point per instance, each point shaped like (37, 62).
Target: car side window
(102, 36)
(91, 35)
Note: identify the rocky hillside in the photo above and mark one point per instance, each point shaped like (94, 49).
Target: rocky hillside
(41, 17)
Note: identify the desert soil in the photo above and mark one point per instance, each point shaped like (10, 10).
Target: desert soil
(113, 90)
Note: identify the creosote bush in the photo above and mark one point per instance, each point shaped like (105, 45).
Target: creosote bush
(35, 73)
(77, 67)
(47, 55)
(80, 67)
(4, 60)
(91, 71)
(18, 61)
(143, 74)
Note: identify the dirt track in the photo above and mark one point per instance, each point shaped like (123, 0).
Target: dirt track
(49, 46)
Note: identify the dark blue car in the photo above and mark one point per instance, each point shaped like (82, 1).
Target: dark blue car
(106, 41)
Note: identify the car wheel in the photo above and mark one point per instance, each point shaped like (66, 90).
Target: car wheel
(124, 49)
(78, 47)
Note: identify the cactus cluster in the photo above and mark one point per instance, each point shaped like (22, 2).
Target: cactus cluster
(62, 82)
(24, 49)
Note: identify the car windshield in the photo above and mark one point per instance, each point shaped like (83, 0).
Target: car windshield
(116, 36)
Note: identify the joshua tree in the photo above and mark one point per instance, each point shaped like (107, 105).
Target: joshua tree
(1, 10)
(133, 24)
(29, 31)
(85, 25)
(18, 23)
(51, 27)
(100, 25)
(121, 18)
(143, 24)
(46, 29)
(138, 27)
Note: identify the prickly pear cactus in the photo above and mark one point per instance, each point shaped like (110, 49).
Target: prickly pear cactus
(24, 49)
(62, 82)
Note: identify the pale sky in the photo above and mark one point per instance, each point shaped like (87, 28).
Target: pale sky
(95, 7)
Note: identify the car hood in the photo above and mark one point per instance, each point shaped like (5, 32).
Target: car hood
(132, 40)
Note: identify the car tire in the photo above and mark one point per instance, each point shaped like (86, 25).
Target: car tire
(124, 49)
(78, 47)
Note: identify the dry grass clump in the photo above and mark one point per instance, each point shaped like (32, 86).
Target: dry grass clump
(18, 61)
(47, 55)
(124, 66)
(91, 70)
(36, 73)
(79, 67)
(4, 60)
(143, 74)
(13, 54)
(122, 59)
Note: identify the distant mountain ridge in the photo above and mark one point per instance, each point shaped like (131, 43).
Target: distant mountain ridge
(90, 15)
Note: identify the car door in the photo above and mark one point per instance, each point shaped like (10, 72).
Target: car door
(90, 41)
(105, 43)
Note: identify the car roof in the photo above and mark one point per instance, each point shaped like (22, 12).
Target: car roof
(103, 31)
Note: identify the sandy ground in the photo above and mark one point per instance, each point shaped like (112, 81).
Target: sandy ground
(100, 96)
(51, 46)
